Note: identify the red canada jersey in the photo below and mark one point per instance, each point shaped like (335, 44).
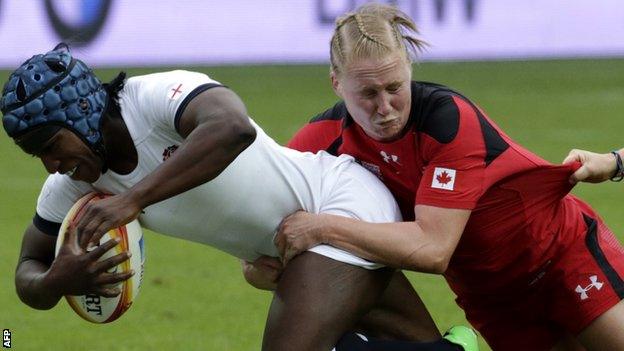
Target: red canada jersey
(452, 155)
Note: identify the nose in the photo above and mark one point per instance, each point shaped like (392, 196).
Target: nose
(383, 104)
(51, 164)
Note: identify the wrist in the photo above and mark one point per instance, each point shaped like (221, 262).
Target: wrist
(322, 234)
(48, 291)
(47, 284)
(618, 174)
(137, 197)
(328, 229)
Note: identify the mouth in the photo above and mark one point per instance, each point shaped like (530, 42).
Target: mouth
(71, 171)
(388, 123)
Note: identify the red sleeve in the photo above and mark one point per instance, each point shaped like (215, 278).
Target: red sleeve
(455, 169)
(315, 136)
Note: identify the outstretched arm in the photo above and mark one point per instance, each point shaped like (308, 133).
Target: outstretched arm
(425, 245)
(216, 129)
(595, 167)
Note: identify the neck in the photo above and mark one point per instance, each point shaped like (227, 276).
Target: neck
(121, 154)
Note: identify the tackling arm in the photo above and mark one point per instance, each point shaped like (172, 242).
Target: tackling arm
(425, 245)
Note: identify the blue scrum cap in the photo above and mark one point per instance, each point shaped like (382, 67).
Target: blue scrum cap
(58, 90)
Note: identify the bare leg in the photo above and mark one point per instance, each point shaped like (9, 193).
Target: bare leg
(605, 333)
(400, 314)
(319, 299)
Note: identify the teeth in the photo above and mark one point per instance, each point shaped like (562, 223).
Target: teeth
(71, 171)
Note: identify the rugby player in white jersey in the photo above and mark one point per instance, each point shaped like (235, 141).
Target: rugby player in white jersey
(180, 153)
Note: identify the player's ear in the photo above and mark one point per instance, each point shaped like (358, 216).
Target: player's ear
(335, 83)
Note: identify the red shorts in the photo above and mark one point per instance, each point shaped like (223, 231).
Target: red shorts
(573, 289)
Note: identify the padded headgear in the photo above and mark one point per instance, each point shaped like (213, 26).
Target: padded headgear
(55, 89)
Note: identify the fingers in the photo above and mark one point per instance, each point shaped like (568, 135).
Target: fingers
(70, 241)
(280, 242)
(113, 278)
(245, 264)
(92, 225)
(111, 262)
(108, 292)
(99, 232)
(580, 174)
(86, 235)
(100, 250)
(269, 262)
(289, 255)
(573, 155)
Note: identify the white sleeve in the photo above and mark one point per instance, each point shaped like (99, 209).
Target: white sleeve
(58, 195)
(165, 95)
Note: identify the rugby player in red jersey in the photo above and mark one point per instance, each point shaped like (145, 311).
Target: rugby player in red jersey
(533, 267)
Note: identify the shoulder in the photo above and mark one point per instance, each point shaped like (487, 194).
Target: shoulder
(166, 76)
(447, 116)
(437, 110)
(163, 81)
(158, 99)
(322, 130)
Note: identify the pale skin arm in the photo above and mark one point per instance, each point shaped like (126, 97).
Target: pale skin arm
(424, 245)
(595, 167)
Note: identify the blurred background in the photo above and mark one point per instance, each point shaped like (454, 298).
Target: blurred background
(549, 72)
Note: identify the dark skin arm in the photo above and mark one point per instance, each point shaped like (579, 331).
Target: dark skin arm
(41, 280)
(216, 130)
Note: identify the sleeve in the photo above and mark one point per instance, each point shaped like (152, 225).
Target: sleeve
(58, 195)
(166, 95)
(312, 137)
(454, 151)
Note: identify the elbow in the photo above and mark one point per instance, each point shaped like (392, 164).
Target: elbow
(32, 292)
(243, 132)
(26, 296)
(37, 305)
(439, 264)
(435, 260)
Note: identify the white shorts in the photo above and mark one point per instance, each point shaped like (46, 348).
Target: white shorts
(351, 191)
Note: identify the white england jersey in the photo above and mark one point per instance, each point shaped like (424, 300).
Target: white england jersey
(238, 211)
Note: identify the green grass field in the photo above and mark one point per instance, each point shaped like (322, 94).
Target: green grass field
(194, 297)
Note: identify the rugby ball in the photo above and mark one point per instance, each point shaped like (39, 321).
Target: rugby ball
(100, 309)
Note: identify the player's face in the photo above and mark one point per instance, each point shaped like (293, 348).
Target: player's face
(377, 93)
(66, 153)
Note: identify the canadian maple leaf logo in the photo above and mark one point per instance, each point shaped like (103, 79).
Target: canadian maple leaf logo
(444, 178)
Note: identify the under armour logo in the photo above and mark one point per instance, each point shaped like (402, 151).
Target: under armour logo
(387, 158)
(594, 284)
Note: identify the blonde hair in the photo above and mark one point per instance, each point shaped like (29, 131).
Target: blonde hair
(373, 31)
